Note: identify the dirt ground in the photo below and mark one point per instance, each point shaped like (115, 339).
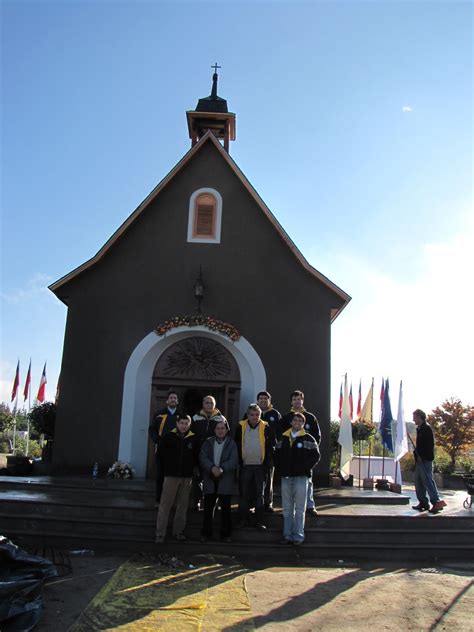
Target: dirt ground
(325, 597)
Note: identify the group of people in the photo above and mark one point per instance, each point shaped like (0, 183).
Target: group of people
(199, 456)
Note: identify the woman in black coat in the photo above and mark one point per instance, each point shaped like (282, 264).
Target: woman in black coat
(218, 460)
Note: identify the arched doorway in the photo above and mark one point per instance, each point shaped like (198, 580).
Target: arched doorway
(195, 367)
(135, 415)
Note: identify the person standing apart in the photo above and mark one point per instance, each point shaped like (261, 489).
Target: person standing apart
(311, 426)
(273, 418)
(296, 453)
(179, 454)
(219, 460)
(163, 421)
(255, 444)
(425, 485)
(203, 425)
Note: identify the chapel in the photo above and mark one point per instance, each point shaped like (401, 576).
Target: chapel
(200, 290)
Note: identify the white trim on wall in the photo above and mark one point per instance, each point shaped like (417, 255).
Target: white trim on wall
(192, 200)
(137, 386)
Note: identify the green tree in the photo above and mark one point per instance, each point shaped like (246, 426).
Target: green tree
(43, 419)
(7, 420)
(453, 424)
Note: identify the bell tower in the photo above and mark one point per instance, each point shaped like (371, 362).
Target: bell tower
(211, 113)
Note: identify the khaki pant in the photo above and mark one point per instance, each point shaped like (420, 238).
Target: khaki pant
(174, 488)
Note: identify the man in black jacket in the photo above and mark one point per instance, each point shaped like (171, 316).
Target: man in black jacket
(424, 455)
(273, 419)
(179, 454)
(296, 453)
(163, 422)
(311, 426)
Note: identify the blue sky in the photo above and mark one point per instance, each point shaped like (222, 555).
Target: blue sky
(354, 123)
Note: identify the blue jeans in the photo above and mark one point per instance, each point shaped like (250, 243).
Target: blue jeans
(310, 493)
(424, 483)
(293, 499)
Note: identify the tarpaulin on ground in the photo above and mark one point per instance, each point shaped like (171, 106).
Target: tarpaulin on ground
(21, 586)
(144, 595)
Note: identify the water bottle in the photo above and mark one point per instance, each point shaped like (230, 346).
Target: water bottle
(95, 470)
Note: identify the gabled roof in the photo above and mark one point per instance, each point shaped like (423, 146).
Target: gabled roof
(208, 137)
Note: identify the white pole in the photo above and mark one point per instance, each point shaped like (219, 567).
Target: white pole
(14, 423)
(28, 413)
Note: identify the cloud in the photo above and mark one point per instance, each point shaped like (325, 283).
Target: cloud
(407, 108)
(36, 286)
(420, 331)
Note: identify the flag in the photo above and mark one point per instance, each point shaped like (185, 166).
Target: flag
(359, 399)
(345, 434)
(366, 414)
(26, 390)
(16, 381)
(401, 441)
(351, 404)
(386, 420)
(381, 397)
(42, 386)
(340, 402)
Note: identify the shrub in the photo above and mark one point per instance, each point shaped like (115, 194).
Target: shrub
(5, 447)
(443, 464)
(43, 419)
(466, 464)
(34, 448)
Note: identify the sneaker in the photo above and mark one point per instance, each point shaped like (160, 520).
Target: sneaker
(437, 507)
(420, 507)
(285, 541)
(260, 527)
(311, 511)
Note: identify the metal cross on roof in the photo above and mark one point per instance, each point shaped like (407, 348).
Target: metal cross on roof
(216, 67)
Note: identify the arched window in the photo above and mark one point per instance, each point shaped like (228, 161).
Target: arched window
(205, 214)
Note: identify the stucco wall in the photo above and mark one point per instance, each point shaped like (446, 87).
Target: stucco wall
(251, 278)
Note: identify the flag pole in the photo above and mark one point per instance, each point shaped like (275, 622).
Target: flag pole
(28, 426)
(14, 423)
(370, 438)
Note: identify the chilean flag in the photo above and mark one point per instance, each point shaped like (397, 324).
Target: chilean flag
(42, 386)
(26, 390)
(16, 381)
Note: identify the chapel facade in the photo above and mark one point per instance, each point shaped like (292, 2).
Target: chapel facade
(200, 290)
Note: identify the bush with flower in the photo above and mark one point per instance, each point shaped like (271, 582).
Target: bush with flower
(121, 470)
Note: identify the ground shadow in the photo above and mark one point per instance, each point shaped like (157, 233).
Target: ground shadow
(316, 597)
(439, 620)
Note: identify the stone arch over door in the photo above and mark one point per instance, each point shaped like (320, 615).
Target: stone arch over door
(138, 385)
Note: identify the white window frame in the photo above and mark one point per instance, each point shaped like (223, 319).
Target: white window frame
(192, 200)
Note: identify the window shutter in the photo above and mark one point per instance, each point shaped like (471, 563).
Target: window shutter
(205, 220)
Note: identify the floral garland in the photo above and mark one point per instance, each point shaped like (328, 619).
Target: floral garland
(199, 320)
(120, 470)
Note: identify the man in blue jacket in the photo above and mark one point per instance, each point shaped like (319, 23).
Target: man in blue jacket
(296, 453)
